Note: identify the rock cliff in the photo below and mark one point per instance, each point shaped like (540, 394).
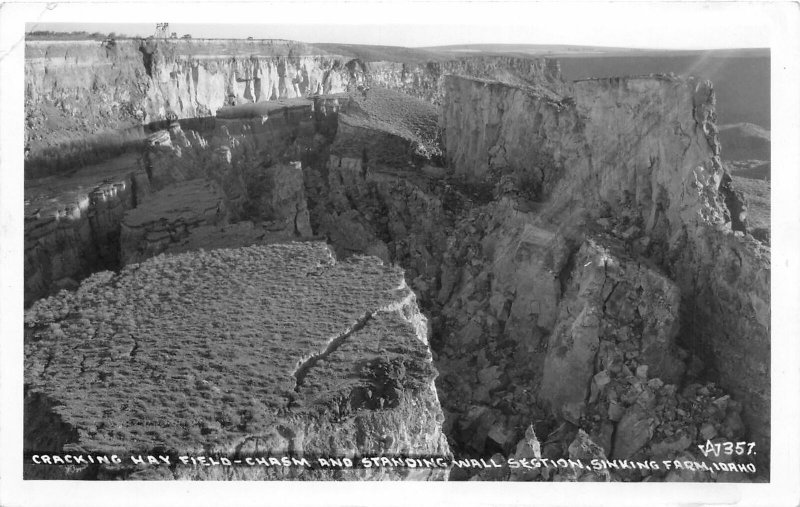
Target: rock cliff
(640, 157)
(532, 317)
(169, 216)
(72, 120)
(73, 222)
(72, 226)
(282, 351)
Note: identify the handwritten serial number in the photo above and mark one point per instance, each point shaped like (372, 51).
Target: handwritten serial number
(728, 448)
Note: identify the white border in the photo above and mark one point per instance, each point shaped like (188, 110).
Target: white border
(674, 25)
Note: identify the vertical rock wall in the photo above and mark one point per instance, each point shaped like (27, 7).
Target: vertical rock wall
(642, 149)
(69, 237)
(72, 225)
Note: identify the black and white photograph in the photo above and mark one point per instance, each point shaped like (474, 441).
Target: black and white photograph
(263, 250)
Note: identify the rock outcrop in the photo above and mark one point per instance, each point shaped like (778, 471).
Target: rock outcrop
(73, 222)
(72, 226)
(640, 156)
(168, 217)
(281, 351)
(616, 315)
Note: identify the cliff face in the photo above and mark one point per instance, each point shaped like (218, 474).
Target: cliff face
(72, 120)
(78, 224)
(548, 140)
(169, 217)
(639, 157)
(345, 368)
(144, 81)
(72, 230)
(531, 315)
(191, 85)
(426, 80)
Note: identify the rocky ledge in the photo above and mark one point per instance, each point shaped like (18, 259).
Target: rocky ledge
(273, 351)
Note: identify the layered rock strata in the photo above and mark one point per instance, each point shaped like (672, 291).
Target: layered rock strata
(72, 226)
(72, 121)
(73, 222)
(426, 80)
(168, 217)
(270, 351)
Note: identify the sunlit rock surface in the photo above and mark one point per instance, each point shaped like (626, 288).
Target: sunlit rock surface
(639, 156)
(275, 350)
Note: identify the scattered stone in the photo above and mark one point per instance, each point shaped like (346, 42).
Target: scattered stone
(630, 232)
(584, 449)
(529, 449)
(667, 448)
(615, 412)
(634, 430)
(605, 223)
(502, 436)
(732, 426)
(599, 381)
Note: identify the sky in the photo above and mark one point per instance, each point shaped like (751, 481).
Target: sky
(666, 25)
(387, 35)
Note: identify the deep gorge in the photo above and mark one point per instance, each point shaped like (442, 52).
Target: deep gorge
(570, 244)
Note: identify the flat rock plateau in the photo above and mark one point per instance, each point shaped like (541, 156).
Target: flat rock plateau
(203, 353)
(272, 249)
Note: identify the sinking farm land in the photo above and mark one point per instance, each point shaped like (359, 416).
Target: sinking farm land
(349, 267)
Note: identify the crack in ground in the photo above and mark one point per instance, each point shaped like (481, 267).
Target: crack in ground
(684, 135)
(135, 349)
(613, 439)
(611, 293)
(302, 371)
(50, 356)
(238, 448)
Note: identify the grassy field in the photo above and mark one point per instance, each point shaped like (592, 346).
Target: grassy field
(203, 349)
(56, 36)
(396, 113)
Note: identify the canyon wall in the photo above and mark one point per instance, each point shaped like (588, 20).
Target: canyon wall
(638, 156)
(76, 232)
(426, 80)
(531, 316)
(73, 120)
(77, 225)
